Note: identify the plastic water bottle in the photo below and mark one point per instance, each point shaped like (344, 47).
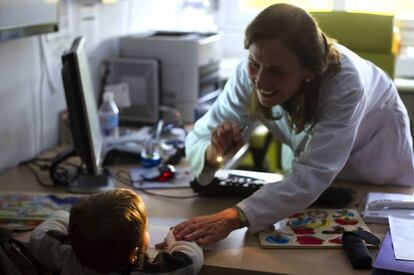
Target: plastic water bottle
(109, 116)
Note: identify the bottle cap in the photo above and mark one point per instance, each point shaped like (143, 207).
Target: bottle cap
(108, 96)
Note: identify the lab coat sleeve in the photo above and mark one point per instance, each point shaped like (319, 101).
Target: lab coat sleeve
(231, 105)
(191, 249)
(314, 169)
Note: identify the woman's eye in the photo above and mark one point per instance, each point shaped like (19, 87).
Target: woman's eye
(278, 71)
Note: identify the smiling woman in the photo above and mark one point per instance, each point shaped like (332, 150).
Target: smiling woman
(339, 113)
(285, 68)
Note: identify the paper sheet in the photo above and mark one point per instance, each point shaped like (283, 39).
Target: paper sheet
(402, 228)
(159, 227)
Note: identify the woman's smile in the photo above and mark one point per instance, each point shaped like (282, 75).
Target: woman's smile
(269, 98)
(268, 93)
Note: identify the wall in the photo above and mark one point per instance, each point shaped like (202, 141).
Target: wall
(31, 92)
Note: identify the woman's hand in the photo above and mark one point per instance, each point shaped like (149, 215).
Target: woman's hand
(208, 229)
(226, 140)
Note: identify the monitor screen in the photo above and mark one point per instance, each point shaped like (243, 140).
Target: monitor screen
(82, 106)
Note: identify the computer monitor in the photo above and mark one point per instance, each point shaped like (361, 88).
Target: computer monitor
(84, 121)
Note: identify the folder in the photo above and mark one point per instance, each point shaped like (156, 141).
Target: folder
(385, 263)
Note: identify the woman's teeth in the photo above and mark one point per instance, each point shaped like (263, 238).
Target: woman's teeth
(266, 92)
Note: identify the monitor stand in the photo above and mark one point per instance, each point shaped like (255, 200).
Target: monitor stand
(91, 184)
(85, 182)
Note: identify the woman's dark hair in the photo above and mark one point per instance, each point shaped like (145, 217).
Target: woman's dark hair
(297, 30)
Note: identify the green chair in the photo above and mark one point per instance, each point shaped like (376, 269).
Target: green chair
(372, 36)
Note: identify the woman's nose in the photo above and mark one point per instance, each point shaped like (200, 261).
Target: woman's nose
(262, 81)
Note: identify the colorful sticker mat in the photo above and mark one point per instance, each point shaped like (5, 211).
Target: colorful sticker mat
(24, 211)
(312, 228)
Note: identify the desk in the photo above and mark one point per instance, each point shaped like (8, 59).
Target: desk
(239, 254)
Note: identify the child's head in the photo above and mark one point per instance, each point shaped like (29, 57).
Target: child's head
(108, 229)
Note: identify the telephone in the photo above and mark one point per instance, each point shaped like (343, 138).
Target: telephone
(233, 186)
(238, 183)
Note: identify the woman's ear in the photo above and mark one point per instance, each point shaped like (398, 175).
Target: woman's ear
(133, 255)
(308, 75)
(308, 78)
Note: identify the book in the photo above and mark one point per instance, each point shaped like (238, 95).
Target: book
(385, 263)
(313, 228)
(381, 215)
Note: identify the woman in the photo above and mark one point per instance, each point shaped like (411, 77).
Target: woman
(340, 114)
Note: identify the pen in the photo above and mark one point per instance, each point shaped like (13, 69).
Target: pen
(390, 204)
(220, 158)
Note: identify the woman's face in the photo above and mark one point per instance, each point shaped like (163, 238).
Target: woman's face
(276, 72)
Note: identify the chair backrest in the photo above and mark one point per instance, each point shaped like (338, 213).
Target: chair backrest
(369, 35)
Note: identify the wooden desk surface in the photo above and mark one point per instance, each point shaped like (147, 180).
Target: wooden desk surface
(240, 253)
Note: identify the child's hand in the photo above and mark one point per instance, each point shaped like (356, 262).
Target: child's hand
(161, 245)
(169, 239)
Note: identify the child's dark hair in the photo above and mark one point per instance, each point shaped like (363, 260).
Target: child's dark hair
(105, 228)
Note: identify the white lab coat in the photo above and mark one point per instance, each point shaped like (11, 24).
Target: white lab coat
(362, 134)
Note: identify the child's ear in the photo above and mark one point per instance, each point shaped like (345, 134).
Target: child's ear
(146, 241)
(133, 255)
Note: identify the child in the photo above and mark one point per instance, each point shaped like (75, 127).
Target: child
(108, 233)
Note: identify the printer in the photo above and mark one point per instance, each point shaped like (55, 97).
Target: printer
(189, 65)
